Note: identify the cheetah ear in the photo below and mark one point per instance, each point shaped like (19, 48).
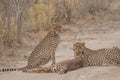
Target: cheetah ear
(83, 43)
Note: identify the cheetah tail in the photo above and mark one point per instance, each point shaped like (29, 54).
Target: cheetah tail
(12, 69)
(8, 69)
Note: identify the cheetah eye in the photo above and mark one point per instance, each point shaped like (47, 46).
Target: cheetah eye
(83, 52)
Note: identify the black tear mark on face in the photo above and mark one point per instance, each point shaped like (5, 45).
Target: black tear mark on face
(83, 52)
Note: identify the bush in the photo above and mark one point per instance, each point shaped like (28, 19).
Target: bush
(94, 6)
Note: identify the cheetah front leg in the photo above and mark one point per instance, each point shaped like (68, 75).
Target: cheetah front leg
(53, 57)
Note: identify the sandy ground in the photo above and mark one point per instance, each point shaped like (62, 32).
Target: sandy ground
(98, 36)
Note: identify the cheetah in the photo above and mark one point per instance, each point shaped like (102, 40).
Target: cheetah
(44, 51)
(60, 67)
(100, 57)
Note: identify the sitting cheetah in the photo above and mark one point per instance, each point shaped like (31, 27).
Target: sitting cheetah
(60, 67)
(105, 56)
(44, 51)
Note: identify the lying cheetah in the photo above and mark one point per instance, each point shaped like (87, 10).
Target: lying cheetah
(105, 56)
(60, 67)
(44, 51)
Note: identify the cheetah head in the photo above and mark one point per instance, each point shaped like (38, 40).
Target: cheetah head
(78, 49)
(56, 29)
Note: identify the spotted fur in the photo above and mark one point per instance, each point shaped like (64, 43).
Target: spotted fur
(45, 50)
(105, 56)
